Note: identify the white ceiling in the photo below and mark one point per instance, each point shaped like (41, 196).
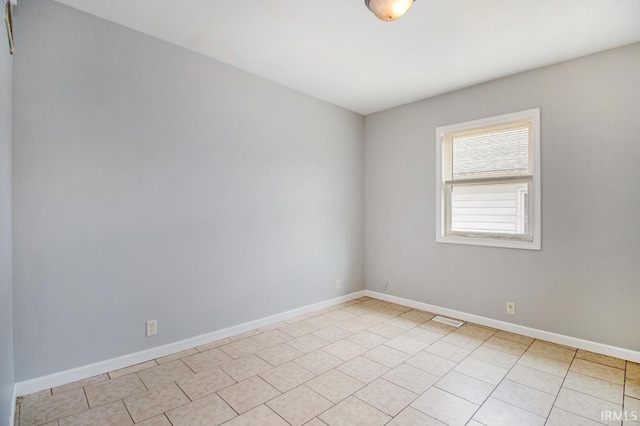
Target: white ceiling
(338, 51)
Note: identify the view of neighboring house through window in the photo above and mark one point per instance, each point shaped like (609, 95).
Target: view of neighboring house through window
(488, 182)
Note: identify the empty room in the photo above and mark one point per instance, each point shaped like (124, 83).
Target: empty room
(344, 213)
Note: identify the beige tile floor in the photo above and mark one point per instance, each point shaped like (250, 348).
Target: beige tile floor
(364, 362)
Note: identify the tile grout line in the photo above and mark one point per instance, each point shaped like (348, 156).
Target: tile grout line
(561, 386)
(128, 412)
(509, 370)
(624, 389)
(522, 384)
(168, 419)
(273, 411)
(142, 381)
(578, 415)
(300, 385)
(453, 369)
(174, 408)
(353, 395)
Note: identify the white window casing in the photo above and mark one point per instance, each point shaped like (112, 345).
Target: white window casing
(488, 182)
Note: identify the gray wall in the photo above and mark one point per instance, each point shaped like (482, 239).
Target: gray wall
(6, 294)
(585, 281)
(152, 182)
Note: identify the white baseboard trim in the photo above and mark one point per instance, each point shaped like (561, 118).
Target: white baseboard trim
(561, 339)
(12, 412)
(69, 376)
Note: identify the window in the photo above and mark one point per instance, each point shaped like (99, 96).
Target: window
(488, 181)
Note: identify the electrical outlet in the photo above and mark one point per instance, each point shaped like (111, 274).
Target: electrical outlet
(338, 284)
(152, 327)
(511, 308)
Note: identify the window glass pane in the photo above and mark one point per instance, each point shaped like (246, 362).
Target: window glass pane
(494, 153)
(490, 209)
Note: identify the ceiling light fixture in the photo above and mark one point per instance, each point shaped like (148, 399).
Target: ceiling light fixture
(389, 10)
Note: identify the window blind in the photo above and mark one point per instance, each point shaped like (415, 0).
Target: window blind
(495, 152)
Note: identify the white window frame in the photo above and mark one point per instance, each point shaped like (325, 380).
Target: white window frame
(534, 198)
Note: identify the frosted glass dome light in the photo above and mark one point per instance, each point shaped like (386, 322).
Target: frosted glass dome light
(389, 10)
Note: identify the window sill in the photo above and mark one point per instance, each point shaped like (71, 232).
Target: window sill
(490, 242)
